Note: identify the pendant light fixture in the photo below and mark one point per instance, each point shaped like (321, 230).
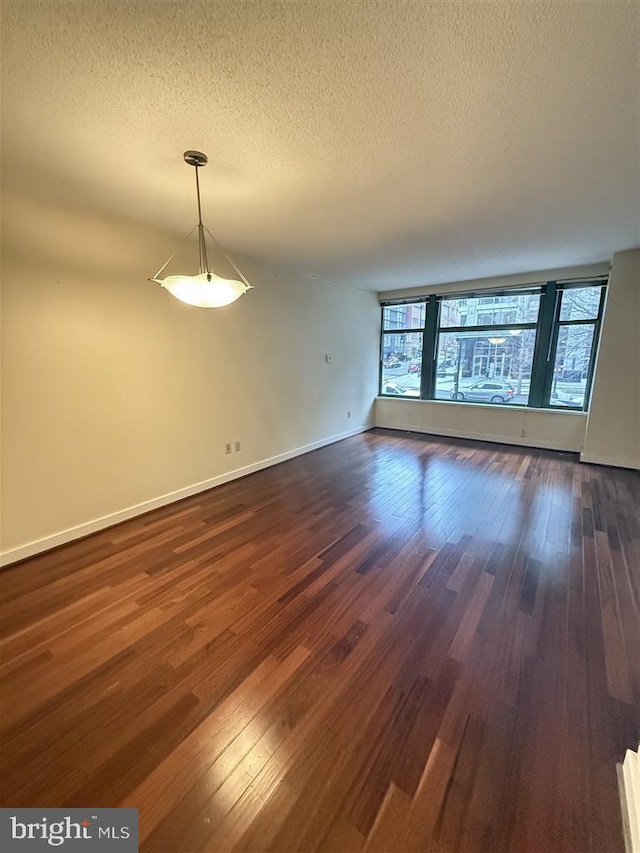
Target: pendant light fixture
(206, 289)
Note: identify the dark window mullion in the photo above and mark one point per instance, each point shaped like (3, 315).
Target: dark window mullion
(429, 356)
(381, 350)
(588, 321)
(549, 306)
(552, 350)
(580, 284)
(489, 327)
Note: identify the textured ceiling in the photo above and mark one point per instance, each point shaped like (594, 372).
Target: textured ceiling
(383, 144)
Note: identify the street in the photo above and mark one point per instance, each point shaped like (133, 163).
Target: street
(565, 393)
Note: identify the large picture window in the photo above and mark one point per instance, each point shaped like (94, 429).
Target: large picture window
(528, 347)
(485, 348)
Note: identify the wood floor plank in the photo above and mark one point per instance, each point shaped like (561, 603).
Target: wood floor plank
(397, 642)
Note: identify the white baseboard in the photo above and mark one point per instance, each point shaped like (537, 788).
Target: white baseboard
(30, 549)
(615, 461)
(478, 436)
(629, 789)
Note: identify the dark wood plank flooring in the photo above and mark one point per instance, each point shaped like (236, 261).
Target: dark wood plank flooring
(395, 643)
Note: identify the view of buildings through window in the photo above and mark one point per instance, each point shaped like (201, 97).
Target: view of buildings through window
(485, 346)
(402, 350)
(491, 338)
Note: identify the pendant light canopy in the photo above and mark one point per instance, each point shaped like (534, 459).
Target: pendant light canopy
(206, 289)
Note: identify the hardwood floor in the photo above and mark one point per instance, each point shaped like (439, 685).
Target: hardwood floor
(393, 643)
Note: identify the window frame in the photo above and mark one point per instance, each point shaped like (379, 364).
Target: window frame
(547, 330)
(495, 328)
(402, 331)
(558, 324)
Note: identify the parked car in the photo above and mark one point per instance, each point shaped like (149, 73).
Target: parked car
(571, 375)
(414, 367)
(486, 391)
(391, 361)
(575, 399)
(393, 388)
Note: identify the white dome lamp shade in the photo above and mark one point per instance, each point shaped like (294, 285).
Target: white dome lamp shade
(206, 289)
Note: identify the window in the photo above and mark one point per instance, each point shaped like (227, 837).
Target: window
(579, 311)
(401, 349)
(490, 311)
(466, 357)
(532, 347)
(409, 316)
(486, 347)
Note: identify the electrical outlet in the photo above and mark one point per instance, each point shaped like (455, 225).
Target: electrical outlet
(237, 446)
(348, 414)
(227, 447)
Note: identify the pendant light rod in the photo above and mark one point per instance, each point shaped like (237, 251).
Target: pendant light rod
(198, 197)
(197, 159)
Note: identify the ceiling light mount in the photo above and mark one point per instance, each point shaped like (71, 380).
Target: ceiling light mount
(195, 158)
(206, 289)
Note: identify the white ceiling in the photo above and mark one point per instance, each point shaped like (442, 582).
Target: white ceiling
(377, 142)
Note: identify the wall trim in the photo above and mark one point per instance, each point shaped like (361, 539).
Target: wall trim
(79, 531)
(579, 271)
(614, 461)
(492, 438)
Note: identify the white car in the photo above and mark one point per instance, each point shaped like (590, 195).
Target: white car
(486, 391)
(575, 399)
(393, 388)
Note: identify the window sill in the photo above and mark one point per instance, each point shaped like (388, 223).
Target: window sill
(460, 403)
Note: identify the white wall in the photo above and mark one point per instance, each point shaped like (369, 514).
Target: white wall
(613, 426)
(117, 398)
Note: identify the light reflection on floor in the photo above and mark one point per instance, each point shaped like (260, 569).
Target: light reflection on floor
(447, 508)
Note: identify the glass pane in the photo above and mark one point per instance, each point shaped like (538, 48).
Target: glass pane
(580, 303)
(571, 368)
(490, 310)
(485, 367)
(401, 363)
(409, 316)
